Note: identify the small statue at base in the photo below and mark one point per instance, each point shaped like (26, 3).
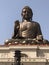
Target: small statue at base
(28, 29)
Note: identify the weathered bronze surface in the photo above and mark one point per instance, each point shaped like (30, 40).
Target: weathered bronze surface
(28, 30)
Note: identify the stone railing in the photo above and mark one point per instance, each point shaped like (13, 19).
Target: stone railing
(33, 60)
(24, 60)
(6, 59)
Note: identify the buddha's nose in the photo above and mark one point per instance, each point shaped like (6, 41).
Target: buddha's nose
(26, 12)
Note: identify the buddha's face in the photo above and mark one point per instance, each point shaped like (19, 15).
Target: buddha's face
(26, 14)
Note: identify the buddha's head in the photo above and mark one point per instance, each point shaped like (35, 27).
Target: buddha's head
(27, 13)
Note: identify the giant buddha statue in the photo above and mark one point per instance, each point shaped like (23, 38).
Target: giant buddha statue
(28, 29)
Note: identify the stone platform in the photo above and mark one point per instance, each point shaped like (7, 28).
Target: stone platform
(34, 54)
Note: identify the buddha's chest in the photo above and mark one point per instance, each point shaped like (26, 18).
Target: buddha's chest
(27, 26)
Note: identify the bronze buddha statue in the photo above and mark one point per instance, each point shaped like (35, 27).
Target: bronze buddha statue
(28, 29)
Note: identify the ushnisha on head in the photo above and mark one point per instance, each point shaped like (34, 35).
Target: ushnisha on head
(27, 13)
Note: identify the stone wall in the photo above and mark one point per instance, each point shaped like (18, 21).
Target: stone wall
(31, 54)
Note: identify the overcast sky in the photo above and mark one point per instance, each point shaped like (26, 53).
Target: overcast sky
(10, 10)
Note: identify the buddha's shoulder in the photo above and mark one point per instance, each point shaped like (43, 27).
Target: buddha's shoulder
(35, 23)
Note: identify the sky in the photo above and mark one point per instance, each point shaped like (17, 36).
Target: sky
(10, 11)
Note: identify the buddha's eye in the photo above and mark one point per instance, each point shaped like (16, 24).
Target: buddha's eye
(24, 11)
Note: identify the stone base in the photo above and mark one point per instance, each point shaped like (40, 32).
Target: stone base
(25, 41)
(31, 54)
